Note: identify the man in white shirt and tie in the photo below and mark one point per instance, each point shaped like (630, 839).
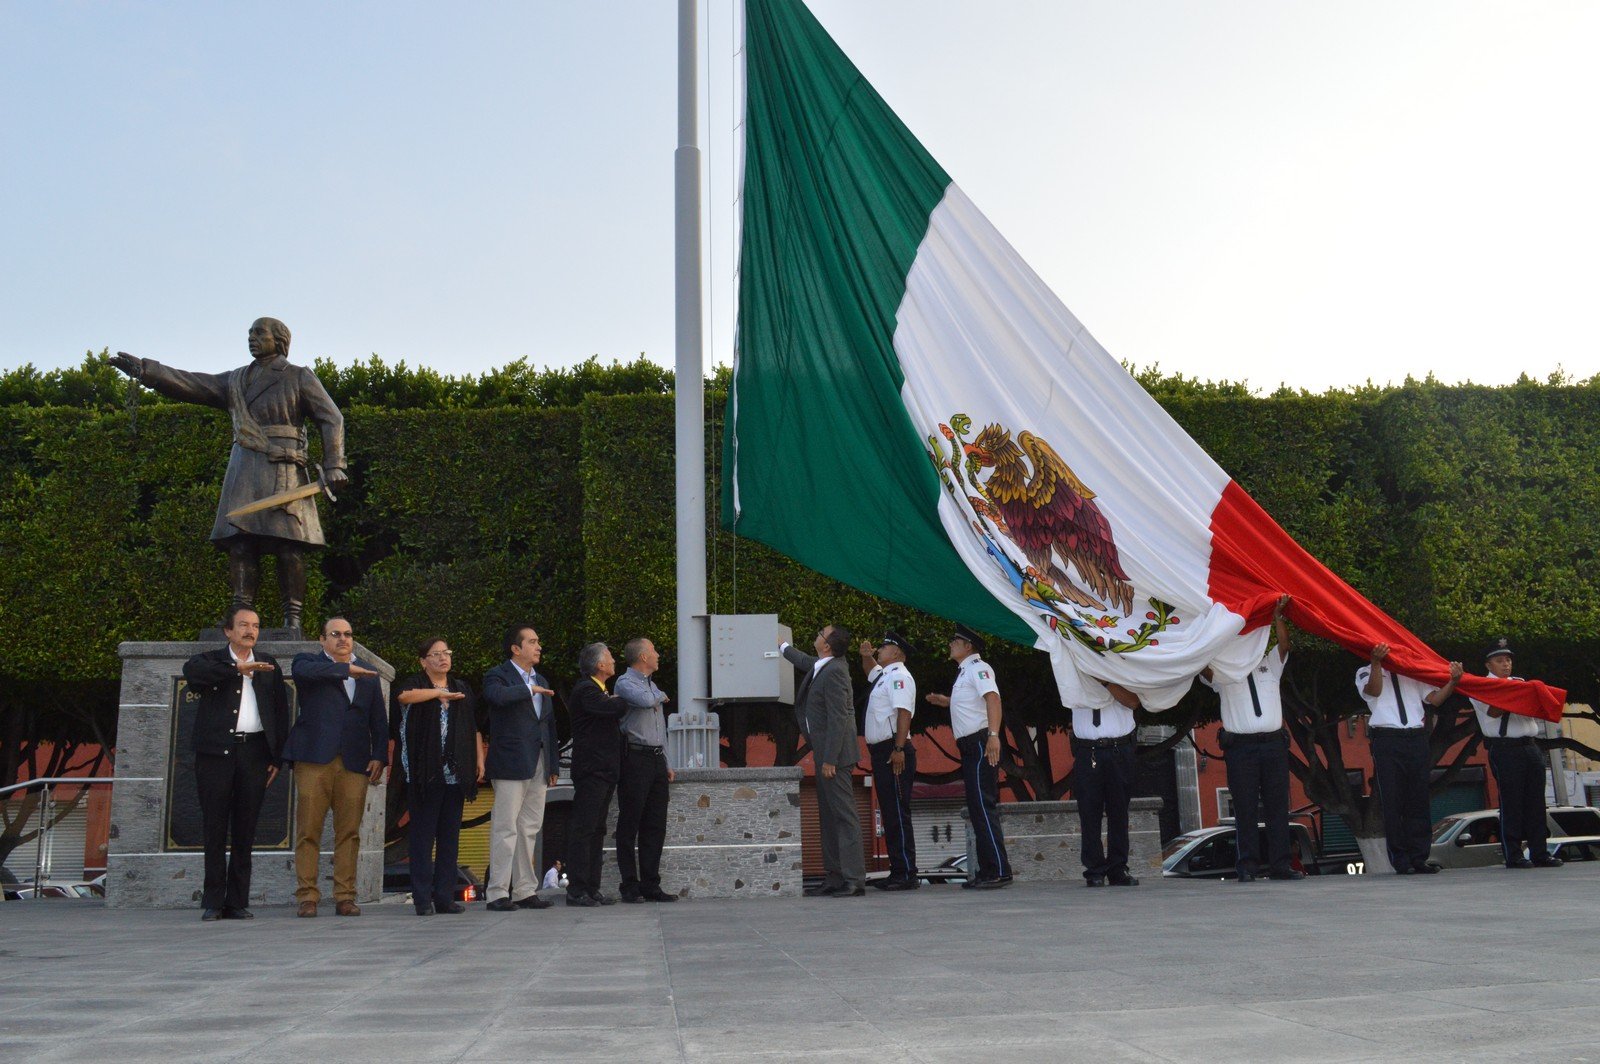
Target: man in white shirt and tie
(1257, 757)
(1401, 760)
(1519, 769)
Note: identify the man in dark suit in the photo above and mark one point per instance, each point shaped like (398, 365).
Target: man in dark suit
(338, 746)
(523, 761)
(824, 708)
(238, 734)
(596, 764)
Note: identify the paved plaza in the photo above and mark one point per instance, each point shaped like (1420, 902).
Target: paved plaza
(1468, 965)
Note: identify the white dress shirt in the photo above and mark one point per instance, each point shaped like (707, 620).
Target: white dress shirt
(249, 713)
(1510, 726)
(1254, 705)
(1110, 722)
(1401, 703)
(893, 689)
(969, 712)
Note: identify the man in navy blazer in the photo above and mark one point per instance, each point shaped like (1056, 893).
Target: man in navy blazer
(523, 762)
(338, 745)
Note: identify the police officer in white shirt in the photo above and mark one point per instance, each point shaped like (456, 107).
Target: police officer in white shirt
(1518, 767)
(1102, 772)
(891, 703)
(974, 703)
(1401, 760)
(1257, 757)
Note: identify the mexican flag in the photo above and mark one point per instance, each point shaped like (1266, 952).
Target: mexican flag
(915, 414)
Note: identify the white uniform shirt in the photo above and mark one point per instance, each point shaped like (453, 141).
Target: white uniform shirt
(1401, 703)
(1111, 722)
(893, 689)
(249, 713)
(1510, 726)
(968, 711)
(1254, 705)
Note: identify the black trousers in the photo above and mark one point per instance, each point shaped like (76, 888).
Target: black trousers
(1104, 787)
(1258, 780)
(982, 781)
(435, 822)
(1519, 774)
(586, 833)
(1401, 763)
(231, 788)
(642, 795)
(894, 806)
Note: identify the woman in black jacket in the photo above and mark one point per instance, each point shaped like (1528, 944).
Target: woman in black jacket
(432, 719)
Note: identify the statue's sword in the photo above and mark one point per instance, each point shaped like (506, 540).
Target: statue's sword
(284, 498)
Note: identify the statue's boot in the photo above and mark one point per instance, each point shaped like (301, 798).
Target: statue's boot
(292, 586)
(244, 576)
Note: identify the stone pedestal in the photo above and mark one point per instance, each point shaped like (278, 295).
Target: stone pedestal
(731, 833)
(154, 859)
(1043, 839)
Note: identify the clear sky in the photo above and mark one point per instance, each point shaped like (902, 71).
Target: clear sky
(1271, 190)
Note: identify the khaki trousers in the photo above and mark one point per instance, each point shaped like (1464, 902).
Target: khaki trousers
(514, 828)
(317, 789)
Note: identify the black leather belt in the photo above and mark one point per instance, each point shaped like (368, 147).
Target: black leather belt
(1381, 729)
(1520, 740)
(1104, 744)
(643, 749)
(246, 736)
(1256, 737)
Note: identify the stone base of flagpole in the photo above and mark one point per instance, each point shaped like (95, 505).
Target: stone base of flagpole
(1043, 839)
(731, 833)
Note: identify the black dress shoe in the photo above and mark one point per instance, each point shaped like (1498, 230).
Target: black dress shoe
(1547, 862)
(1094, 881)
(1405, 871)
(997, 883)
(451, 908)
(502, 905)
(898, 884)
(1520, 862)
(629, 897)
(1122, 879)
(603, 899)
(1426, 870)
(211, 914)
(820, 891)
(974, 884)
(533, 901)
(658, 895)
(425, 910)
(238, 914)
(848, 892)
(1247, 877)
(1291, 874)
(582, 901)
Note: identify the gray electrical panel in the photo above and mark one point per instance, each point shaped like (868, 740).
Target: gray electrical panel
(745, 663)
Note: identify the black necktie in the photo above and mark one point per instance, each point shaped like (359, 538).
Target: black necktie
(1398, 701)
(1505, 722)
(1255, 697)
(1097, 718)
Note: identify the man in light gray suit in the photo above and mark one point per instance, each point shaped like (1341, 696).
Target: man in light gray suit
(824, 708)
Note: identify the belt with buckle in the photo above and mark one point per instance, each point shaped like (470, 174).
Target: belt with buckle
(643, 749)
(1384, 729)
(246, 736)
(1105, 744)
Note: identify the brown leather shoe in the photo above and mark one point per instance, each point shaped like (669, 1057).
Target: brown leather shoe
(307, 908)
(347, 908)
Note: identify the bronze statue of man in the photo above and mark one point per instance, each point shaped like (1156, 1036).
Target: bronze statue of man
(270, 401)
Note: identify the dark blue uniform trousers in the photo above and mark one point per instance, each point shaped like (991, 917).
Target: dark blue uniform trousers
(1401, 763)
(1258, 780)
(1519, 774)
(1103, 785)
(894, 806)
(982, 781)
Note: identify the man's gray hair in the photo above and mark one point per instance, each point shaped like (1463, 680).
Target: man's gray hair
(632, 649)
(589, 658)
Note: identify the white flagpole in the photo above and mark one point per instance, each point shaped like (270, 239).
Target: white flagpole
(694, 739)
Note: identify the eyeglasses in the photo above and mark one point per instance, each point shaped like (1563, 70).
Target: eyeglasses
(440, 653)
(339, 635)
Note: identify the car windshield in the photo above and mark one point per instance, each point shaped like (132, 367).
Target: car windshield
(1577, 821)
(1443, 828)
(1179, 843)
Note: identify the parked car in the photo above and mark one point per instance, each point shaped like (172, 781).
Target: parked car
(1473, 840)
(1212, 853)
(397, 880)
(73, 891)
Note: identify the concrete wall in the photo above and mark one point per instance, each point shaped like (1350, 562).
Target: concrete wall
(1043, 839)
(140, 871)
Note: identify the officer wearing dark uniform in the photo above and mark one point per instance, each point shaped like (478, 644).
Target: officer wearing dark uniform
(1257, 753)
(1519, 768)
(238, 736)
(1102, 773)
(891, 703)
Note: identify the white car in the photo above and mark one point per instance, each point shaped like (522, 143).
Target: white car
(1473, 840)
